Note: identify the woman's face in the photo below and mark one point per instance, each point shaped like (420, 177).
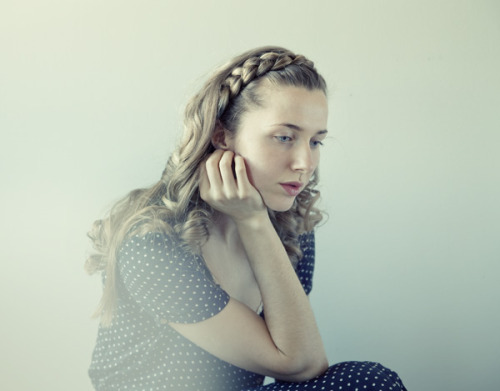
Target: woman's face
(280, 141)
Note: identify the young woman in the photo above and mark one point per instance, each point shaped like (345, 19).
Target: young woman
(206, 273)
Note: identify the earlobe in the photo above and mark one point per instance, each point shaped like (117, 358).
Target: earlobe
(219, 137)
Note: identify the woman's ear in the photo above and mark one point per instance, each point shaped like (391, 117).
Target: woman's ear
(220, 137)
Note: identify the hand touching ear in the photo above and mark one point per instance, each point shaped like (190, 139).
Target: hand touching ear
(229, 191)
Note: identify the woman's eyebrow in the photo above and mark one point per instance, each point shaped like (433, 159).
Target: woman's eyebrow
(296, 127)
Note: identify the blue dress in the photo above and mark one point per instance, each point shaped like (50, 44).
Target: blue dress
(158, 280)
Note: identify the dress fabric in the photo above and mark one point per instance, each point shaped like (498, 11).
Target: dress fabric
(159, 281)
(345, 376)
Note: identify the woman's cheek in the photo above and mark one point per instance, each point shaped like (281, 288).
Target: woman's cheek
(250, 170)
(259, 164)
(256, 172)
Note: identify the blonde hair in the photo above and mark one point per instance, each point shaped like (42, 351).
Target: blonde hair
(173, 205)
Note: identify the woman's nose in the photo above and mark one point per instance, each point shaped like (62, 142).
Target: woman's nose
(303, 159)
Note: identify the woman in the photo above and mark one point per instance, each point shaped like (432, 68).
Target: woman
(207, 272)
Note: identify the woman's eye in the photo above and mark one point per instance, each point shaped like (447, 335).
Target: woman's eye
(283, 139)
(316, 143)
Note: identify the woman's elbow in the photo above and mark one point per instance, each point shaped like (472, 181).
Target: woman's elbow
(302, 370)
(314, 369)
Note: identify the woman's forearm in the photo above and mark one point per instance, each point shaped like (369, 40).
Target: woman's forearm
(289, 317)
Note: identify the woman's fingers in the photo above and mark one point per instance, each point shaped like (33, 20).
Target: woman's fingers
(217, 181)
(240, 169)
(228, 189)
(212, 169)
(226, 172)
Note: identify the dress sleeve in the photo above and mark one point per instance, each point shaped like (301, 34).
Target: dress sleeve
(305, 267)
(167, 281)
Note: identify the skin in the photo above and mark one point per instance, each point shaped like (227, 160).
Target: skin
(280, 141)
(276, 142)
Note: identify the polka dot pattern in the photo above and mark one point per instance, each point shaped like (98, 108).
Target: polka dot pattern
(159, 280)
(346, 376)
(168, 283)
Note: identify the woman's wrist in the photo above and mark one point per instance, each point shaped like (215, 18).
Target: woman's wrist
(256, 221)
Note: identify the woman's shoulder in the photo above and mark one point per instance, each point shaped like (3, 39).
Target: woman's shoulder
(148, 240)
(144, 239)
(166, 279)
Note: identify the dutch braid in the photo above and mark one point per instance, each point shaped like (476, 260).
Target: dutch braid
(253, 68)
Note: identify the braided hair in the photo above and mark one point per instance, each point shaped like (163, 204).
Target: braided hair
(173, 205)
(253, 68)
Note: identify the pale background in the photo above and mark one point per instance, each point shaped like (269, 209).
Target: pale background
(91, 96)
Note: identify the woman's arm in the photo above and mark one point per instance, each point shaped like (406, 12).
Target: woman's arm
(287, 345)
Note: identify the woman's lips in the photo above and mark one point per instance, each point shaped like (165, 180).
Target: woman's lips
(292, 188)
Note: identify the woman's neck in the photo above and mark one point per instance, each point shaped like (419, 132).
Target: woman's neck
(225, 230)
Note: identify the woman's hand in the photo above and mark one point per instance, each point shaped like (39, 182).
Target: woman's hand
(227, 191)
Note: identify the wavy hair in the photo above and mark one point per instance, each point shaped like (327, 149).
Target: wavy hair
(173, 204)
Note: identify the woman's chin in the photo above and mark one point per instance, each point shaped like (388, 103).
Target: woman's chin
(280, 206)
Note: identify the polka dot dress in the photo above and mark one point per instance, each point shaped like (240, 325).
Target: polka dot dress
(158, 281)
(346, 376)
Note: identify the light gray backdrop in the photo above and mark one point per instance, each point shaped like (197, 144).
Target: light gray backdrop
(91, 96)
